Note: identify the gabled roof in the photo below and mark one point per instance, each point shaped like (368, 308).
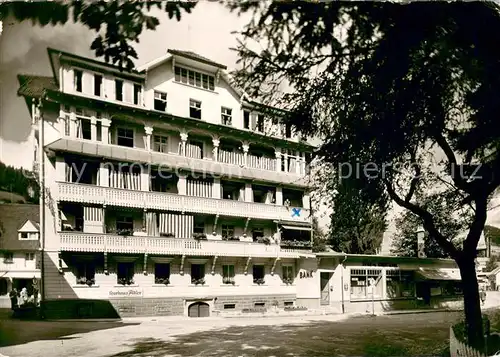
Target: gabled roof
(12, 218)
(196, 57)
(29, 227)
(33, 86)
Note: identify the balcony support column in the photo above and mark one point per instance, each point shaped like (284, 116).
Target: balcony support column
(246, 227)
(145, 265)
(306, 201)
(103, 175)
(104, 230)
(215, 142)
(273, 268)
(60, 169)
(184, 138)
(279, 196)
(249, 259)
(298, 159)
(106, 263)
(149, 132)
(216, 189)
(106, 123)
(72, 124)
(248, 192)
(93, 128)
(245, 147)
(214, 230)
(145, 175)
(181, 184)
(278, 159)
(183, 258)
(213, 265)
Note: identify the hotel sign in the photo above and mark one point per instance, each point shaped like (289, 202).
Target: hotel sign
(118, 293)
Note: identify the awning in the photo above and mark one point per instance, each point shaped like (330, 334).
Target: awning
(20, 275)
(440, 274)
(298, 228)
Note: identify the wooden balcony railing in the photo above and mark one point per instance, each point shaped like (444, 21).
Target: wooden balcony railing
(90, 242)
(75, 192)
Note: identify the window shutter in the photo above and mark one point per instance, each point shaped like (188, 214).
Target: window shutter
(253, 121)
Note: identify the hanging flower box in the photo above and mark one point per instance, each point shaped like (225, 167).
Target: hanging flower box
(296, 244)
(264, 240)
(198, 281)
(164, 281)
(288, 281)
(260, 281)
(125, 232)
(125, 281)
(85, 281)
(228, 281)
(231, 238)
(200, 236)
(167, 235)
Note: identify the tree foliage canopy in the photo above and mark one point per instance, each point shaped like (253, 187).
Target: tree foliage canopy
(357, 225)
(408, 91)
(116, 23)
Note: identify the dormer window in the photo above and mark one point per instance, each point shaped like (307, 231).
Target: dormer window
(29, 231)
(194, 78)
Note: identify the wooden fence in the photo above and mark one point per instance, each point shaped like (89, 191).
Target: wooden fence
(460, 349)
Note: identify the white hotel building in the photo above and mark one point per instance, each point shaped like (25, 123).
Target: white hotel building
(169, 192)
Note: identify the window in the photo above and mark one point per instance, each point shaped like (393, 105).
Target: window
(160, 143)
(194, 78)
(66, 125)
(288, 131)
(229, 306)
(78, 80)
(84, 129)
(98, 127)
(195, 109)
(287, 274)
(360, 283)
(258, 273)
(125, 137)
(97, 84)
(226, 116)
(124, 223)
(257, 233)
(85, 273)
(400, 283)
(30, 257)
(259, 304)
(125, 273)
(227, 231)
(246, 119)
(8, 258)
(162, 273)
(228, 274)
(118, 89)
(197, 272)
(28, 235)
(260, 123)
(160, 101)
(137, 94)
(199, 228)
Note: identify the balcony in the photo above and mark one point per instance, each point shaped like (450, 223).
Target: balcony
(74, 192)
(87, 242)
(229, 165)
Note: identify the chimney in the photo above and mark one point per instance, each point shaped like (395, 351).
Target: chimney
(420, 242)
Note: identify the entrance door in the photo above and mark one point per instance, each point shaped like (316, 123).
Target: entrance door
(199, 309)
(325, 287)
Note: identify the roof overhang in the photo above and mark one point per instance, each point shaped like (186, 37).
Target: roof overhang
(297, 228)
(155, 63)
(440, 274)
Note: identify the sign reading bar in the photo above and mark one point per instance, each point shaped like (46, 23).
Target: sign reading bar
(125, 293)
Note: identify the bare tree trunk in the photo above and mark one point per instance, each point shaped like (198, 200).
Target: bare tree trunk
(472, 306)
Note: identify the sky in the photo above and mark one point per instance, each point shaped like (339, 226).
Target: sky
(23, 49)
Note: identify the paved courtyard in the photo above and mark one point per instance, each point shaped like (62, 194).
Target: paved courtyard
(396, 335)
